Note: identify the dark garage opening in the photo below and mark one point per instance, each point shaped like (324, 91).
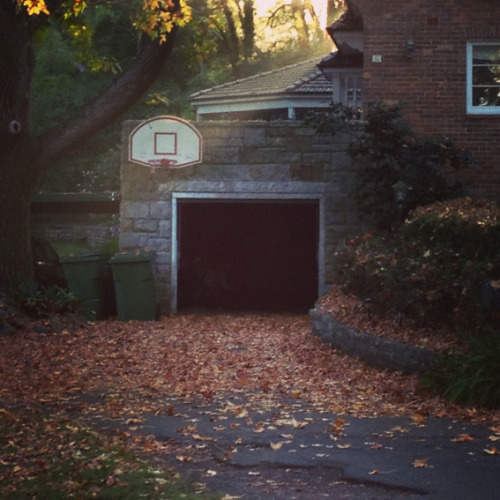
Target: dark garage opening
(248, 255)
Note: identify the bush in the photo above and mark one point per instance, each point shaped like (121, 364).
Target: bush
(44, 302)
(390, 152)
(473, 378)
(432, 267)
(386, 151)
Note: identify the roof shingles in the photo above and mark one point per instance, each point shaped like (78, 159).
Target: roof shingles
(300, 78)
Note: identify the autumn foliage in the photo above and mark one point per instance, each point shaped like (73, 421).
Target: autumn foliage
(431, 268)
(154, 17)
(52, 383)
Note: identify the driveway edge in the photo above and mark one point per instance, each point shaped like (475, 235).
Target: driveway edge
(376, 351)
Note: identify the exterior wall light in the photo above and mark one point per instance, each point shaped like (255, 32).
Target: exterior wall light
(410, 49)
(400, 192)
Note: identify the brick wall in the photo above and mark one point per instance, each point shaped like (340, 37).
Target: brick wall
(241, 160)
(432, 84)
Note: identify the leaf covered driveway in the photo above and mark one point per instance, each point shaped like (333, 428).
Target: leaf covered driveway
(135, 365)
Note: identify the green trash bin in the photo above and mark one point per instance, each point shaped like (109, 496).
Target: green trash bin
(134, 285)
(84, 275)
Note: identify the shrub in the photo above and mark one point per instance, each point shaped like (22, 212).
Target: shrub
(44, 302)
(387, 151)
(432, 267)
(473, 378)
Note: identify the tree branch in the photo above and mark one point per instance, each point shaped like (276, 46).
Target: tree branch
(107, 107)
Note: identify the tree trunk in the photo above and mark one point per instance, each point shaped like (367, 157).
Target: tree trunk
(16, 189)
(17, 178)
(23, 159)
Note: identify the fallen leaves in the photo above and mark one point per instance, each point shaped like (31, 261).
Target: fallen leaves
(277, 446)
(420, 463)
(209, 359)
(190, 356)
(492, 451)
(343, 446)
(463, 438)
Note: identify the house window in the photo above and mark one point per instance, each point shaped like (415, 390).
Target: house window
(483, 77)
(348, 90)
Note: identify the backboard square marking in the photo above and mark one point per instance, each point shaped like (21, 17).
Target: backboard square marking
(165, 143)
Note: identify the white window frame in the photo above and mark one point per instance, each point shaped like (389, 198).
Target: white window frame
(471, 109)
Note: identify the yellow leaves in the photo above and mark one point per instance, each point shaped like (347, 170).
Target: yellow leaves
(343, 446)
(37, 7)
(197, 437)
(495, 429)
(420, 463)
(297, 425)
(158, 17)
(34, 7)
(419, 419)
(259, 428)
(492, 451)
(337, 426)
(463, 438)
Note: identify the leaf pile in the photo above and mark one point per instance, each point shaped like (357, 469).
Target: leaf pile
(268, 357)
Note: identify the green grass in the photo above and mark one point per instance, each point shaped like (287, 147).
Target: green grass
(55, 458)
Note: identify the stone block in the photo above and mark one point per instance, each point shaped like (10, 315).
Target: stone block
(134, 209)
(159, 244)
(161, 210)
(133, 240)
(146, 226)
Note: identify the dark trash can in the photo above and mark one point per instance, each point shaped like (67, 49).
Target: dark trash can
(48, 269)
(134, 285)
(85, 277)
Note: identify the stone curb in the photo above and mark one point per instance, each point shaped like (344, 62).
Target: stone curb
(376, 351)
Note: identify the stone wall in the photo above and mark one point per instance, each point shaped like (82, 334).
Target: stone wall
(376, 351)
(87, 218)
(94, 230)
(241, 160)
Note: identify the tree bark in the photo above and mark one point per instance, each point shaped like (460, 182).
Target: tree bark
(17, 180)
(23, 159)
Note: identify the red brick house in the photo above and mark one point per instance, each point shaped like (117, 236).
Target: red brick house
(441, 59)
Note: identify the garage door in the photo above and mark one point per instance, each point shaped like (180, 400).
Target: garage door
(247, 255)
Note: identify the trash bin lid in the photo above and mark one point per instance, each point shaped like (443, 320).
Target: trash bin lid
(139, 255)
(83, 257)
